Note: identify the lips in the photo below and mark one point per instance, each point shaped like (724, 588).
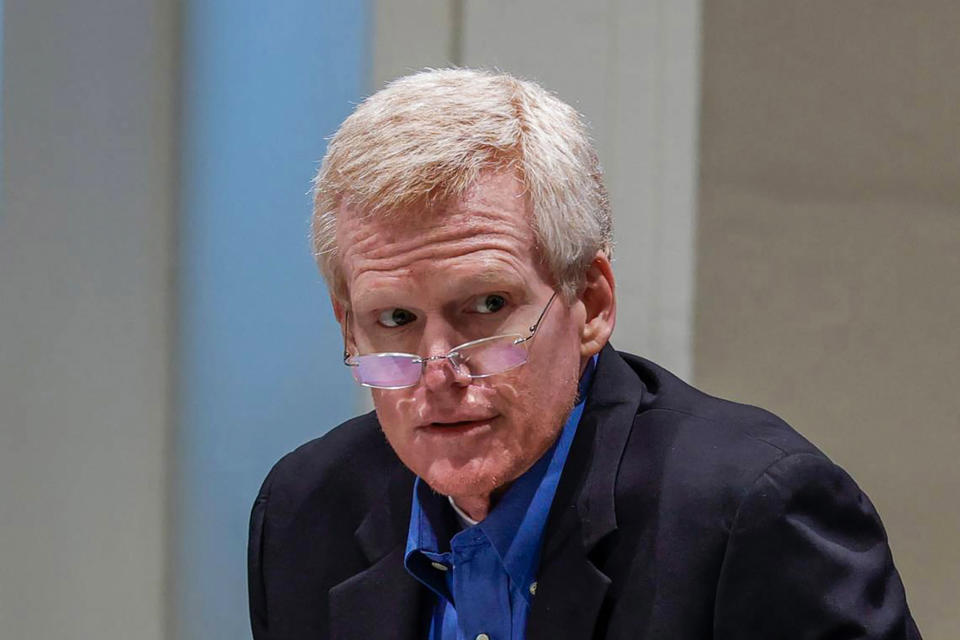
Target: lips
(458, 423)
(458, 418)
(455, 425)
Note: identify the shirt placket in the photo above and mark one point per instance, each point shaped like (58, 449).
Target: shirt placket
(480, 589)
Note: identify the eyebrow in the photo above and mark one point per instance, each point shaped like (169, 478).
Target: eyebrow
(492, 277)
(488, 279)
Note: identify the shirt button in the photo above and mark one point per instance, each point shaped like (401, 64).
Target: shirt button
(439, 566)
(482, 636)
(533, 588)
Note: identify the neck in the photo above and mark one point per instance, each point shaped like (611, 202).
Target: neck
(475, 507)
(478, 507)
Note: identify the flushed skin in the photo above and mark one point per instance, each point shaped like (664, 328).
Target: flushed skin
(438, 269)
(678, 516)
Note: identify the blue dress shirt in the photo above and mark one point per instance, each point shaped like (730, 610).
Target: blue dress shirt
(484, 576)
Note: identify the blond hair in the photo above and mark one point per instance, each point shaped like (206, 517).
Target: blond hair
(426, 138)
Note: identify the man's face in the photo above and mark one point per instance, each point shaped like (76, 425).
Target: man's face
(433, 282)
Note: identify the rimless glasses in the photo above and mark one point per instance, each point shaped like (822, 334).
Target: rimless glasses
(477, 359)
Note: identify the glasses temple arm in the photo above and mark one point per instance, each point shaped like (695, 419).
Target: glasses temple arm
(536, 325)
(346, 354)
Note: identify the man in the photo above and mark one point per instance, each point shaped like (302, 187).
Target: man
(520, 478)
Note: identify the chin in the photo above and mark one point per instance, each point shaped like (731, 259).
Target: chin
(475, 478)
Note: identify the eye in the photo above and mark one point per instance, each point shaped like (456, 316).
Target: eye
(396, 317)
(490, 303)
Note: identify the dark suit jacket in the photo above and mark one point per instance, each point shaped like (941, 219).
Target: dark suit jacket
(678, 516)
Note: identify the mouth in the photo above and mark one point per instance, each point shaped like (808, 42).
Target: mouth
(458, 427)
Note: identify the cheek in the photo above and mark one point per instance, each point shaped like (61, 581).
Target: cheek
(553, 363)
(538, 401)
(389, 408)
(395, 408)
(397, 413)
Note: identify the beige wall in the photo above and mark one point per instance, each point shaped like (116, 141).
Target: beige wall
(86, 246)
(828, 280)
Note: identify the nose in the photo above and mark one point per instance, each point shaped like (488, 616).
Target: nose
(443, 372)
(440, 371)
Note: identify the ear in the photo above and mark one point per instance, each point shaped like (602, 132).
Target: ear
(600, 303)
(339, 308)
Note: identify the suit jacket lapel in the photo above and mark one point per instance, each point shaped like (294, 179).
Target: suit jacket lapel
(571, 589)
(382, 601)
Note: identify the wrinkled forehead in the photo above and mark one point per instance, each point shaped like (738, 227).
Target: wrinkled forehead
(494, 218)
(497, 202)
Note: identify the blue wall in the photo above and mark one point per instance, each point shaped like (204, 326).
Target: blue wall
(259, 353)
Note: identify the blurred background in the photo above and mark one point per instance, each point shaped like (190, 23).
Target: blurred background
(785, 180)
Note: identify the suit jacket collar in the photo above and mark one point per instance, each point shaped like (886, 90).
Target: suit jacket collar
(571, 588)
(612, 405)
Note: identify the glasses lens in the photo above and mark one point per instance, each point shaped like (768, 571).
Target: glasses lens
(387, 370)
(492, 355)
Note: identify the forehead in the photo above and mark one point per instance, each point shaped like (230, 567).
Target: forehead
(486, 235)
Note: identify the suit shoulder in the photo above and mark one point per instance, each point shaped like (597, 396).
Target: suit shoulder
(699, 449)
(718, 424)
(340, 460)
